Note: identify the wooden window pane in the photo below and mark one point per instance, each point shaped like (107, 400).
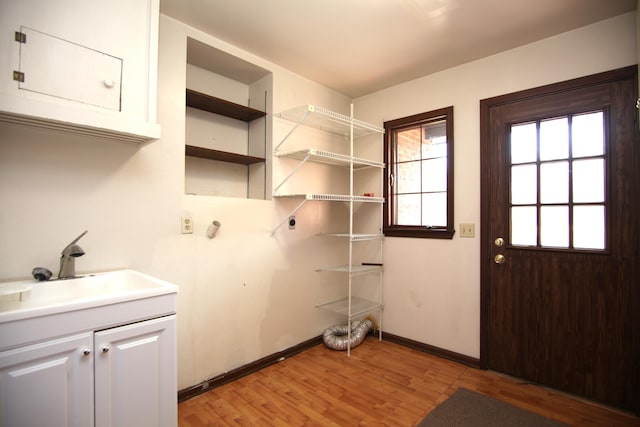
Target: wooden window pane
(434, 175)
(587, 135)
(524, 143)
(524, 226)
(524, 185)
(408, 209)
(554, 182)
(408, 145)
(554, 139)
(588, 227)
(554, 226)
(588, 181)
(408, 177)
(434, 210)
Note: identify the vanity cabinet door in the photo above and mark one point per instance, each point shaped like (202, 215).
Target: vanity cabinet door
(135, 374)
(48, 384)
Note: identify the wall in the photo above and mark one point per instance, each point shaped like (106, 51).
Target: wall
(432, 287)
(245, 294)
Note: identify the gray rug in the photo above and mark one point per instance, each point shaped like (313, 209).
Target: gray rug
(467, 408)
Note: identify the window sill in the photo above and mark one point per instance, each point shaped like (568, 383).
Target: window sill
(420, 233)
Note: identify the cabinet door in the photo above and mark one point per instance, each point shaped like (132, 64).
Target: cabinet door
(60, 68)
(48, 384)
(135, 374)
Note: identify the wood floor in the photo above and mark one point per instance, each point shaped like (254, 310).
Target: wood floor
(381, 384)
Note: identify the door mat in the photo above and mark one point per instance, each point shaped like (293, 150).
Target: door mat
(468, 408)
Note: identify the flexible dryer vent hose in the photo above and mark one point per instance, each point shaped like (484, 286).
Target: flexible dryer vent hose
(337, 337)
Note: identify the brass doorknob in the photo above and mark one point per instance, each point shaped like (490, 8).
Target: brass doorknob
(499, 242)
(499, 259)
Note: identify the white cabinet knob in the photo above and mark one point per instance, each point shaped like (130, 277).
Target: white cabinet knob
(86, 351)
(105, 349)
(109, 83)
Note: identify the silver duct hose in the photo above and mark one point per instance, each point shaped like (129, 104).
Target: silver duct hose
(337, 337)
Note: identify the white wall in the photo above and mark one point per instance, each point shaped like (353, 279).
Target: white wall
(245, 294)
(432, 287)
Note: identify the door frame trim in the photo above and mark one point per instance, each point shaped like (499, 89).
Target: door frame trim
(485, 194)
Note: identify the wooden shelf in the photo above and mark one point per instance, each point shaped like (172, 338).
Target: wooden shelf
(223, 156)
(225, 108)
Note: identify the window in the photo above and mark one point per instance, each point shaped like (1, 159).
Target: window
(558, 196)
(419, 190)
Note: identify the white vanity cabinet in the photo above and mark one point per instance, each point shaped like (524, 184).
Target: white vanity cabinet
(88, 67)
(128, 371)
(97, 350)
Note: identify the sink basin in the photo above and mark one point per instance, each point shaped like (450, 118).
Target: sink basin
(23, 299)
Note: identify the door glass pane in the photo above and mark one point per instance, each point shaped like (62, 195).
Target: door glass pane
(434, 175)
(524, 226)
(554, 182)
(408, 209)
(524, 184)
(408, 144)
(434, 209)
(588, 227)
(554, 139)
(588, 181)
(524, 144)
(554, 226)
(408, 177)
(587, 135)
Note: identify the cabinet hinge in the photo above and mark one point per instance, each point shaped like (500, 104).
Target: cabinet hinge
(20, 37)
(18, 76)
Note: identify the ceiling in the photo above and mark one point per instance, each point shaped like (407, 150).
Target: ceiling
(361, 46)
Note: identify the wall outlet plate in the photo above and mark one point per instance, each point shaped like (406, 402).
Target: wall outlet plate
(186, 224)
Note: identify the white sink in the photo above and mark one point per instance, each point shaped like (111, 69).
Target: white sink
(25, 299)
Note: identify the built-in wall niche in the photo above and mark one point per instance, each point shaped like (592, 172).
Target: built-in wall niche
(227, 126)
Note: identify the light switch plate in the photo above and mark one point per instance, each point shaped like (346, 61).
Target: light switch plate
(467, 230)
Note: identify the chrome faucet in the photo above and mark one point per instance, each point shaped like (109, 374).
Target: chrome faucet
(68, 258)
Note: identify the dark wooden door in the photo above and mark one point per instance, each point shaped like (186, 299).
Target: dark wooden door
(560, 295)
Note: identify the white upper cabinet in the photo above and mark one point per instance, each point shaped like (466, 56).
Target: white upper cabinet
(87, 67)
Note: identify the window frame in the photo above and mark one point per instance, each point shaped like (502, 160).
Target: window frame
(391, 128)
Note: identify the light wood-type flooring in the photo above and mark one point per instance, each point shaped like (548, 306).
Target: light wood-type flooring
(381, 384)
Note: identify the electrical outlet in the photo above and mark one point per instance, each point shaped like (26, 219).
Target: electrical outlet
(186, 224)
(467, 230)
(292, 222)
